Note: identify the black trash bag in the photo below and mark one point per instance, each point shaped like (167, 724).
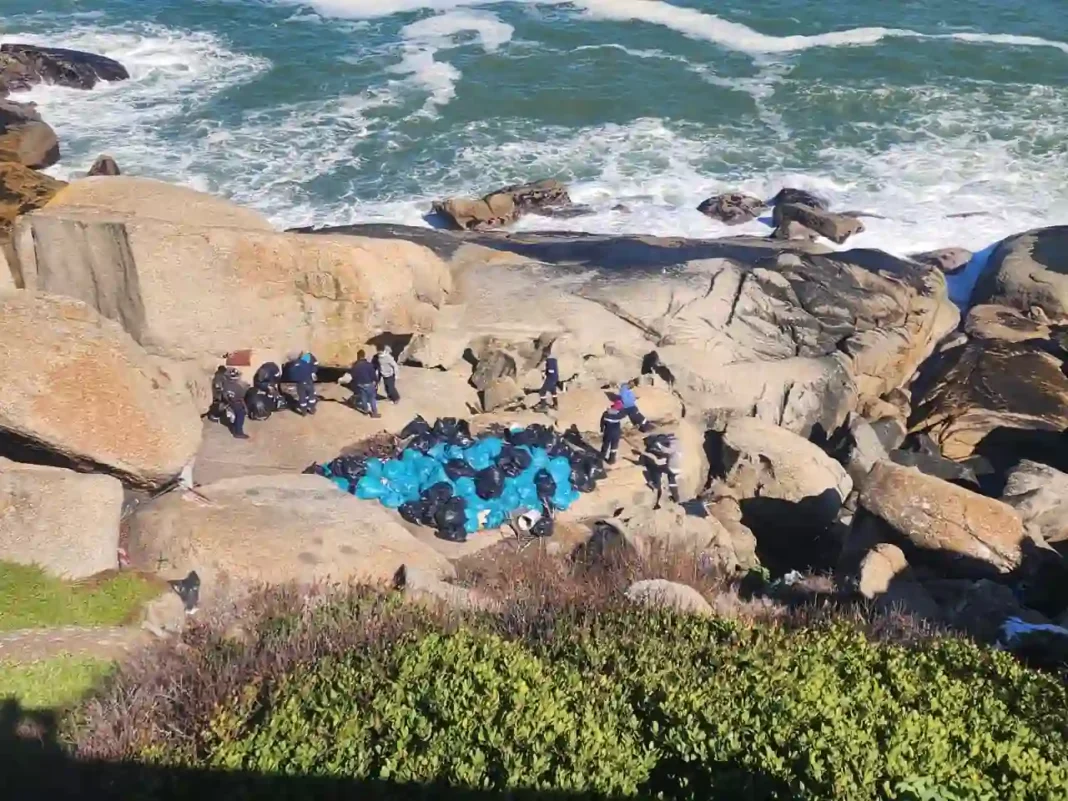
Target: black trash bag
(560, 447)
(489, 483)
(267, 374)
(543, 527)
(412, 511)
(423, 442)
(513, 460)
(439, 493)
(257, 405)
(417, 427)
(534, 436)
(316, 470)
(582, 475)
(450, 520)
(545, 485)
(351, 467)
(458, 468)
(453, 431)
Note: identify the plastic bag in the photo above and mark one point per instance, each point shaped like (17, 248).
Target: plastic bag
(453, 431)
(423, 442)
(465, 488)
(451, 520)
(545, 485)
(489, 483)
(417, 427)
(513, 461)
(542, 527)
(439, 493)
(370, 488)
(413, 511)
(456, 469)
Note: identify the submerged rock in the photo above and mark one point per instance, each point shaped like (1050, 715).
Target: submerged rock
(104, 165)
(25, 138)
(25, 65)
(732, 208)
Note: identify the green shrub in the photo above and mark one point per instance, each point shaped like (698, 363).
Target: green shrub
(51, 683)
(625, 702)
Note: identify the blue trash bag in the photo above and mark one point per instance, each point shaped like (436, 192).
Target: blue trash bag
(493, 446)
(560, 469)
(392, 499)
(374, 468)
(436, 475)
(465, 488)
(509, 499)
(394, 468)
(539, 458)
(471, 524)
(453, 452)
(478, 457)
(369, 488)
(342, 483)
(437, 453)
(496, 517)
(564, 496)
(411, 455)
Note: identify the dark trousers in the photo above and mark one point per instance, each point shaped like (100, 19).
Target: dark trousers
(672, 482)
(550, 387)
(306, 396)
(237, 427)
(367, 397)
(637, 418)
(611, 444)
(390, 383)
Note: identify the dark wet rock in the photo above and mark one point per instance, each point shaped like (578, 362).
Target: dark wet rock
(1029, 269)
(25, 138)
(104, 165)
(732, 208)
(1006, 324)
(995, 398)
(836, 227)
(791, 230)
(504, 206)
(800, 197)
(948, 260)
(24, 65)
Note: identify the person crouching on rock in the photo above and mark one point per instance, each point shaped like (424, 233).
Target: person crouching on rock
(386, 367)
(229, 403)
(612, 431)
(663, 454)
(362, 379)
(300, 370)
(630, 406)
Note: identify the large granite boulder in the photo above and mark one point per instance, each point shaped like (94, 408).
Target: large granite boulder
(25, 138)
(21, 191)
(66, 523)
(1029, 269)
(1005, 324)
(504, 206)
(1039, 494)
(26, 65)
(273, 530)
(76, 384)
(991, 396)
(732, 208)
(193, 277)
(940, 523)
(664, 594)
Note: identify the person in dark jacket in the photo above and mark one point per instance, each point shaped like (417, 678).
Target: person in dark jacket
(362, 379)
(232, 400)
(301, 372)
(551, 384)
(612, 431)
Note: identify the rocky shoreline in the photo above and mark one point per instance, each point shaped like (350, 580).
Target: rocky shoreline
(839, 414)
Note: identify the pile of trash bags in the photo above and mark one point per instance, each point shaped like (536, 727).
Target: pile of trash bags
(444, 478)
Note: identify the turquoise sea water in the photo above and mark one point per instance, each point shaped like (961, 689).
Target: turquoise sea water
(338, 111)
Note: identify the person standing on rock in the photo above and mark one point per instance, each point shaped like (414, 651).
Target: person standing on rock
(299, 369)
(551, 385)
(612, 431)
(232, 398)
(362, 378)
(663, 453)
(387, 368)
(630, 406)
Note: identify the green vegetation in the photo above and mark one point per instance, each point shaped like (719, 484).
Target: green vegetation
(29, 598)
(611, 701)
(53, 683)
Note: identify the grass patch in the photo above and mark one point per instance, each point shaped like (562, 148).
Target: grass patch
(29, 598)
(54, 683)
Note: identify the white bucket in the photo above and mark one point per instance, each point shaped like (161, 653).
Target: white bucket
(525, 522)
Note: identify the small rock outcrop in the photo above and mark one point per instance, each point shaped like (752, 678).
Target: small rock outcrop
(23, 66)
(836, 227)
(732, 208)
(77, 385)
(663, 594)
(25, 138)
(800, 197)
(104, 165)
(65, 522)
(1029, 269)
(1005, 324)
(21, 191)
(948, 260)
(273, 529)
(1039, 494)
(503, 206)
(961, 531)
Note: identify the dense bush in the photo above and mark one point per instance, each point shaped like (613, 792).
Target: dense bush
(620, 702)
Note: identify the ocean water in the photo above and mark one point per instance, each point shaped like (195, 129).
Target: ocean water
(342, 111)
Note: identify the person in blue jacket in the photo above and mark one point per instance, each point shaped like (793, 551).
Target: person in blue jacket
(551, 385)
(300, 371)
(630, 407)
(363, 381)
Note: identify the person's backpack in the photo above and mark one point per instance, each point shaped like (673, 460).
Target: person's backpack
(257, 405)
(268, 373)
